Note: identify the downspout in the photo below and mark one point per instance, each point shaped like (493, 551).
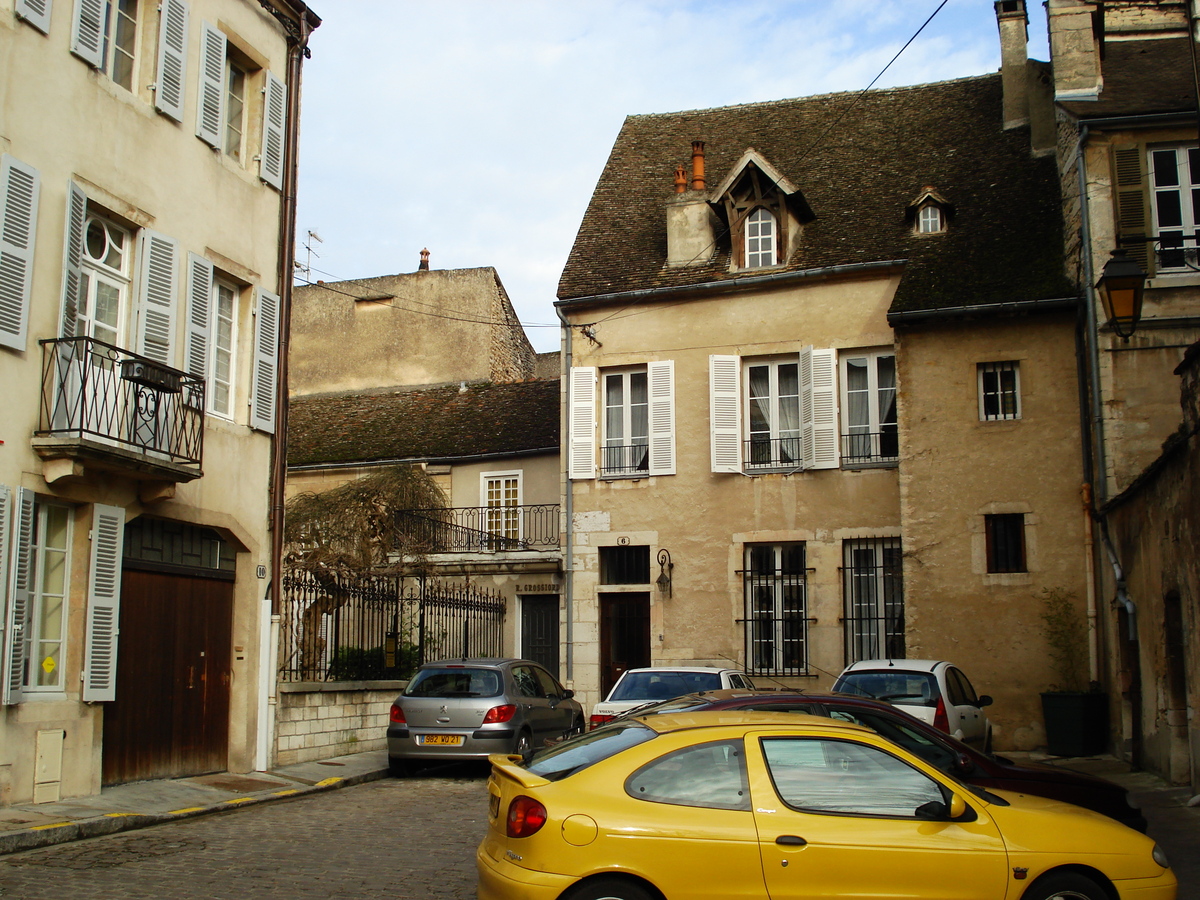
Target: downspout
(568, 499)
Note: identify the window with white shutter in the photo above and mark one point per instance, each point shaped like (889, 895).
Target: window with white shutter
(104, 604)
(157, 289)
(266, 362)
(274, 131)
(36, 13)
(581, 439)
(172, 58)
(661, 378)
(73, 258)
(19, 186)
(199, 316)
(210, 105)
(16, 618)
(87, 31)
(725, 412)
(104, 34)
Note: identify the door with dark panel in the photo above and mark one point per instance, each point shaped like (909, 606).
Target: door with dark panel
(539, 629)
(624, 635)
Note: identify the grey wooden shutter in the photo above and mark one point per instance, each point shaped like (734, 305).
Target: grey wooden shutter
(19, 186)
(1132, 194)
(172, 58)
(73, 258)
(87, 32)
(5, 554)
(210, 106)
(660, 378)
(36, 13)
(199, 317)
(725, 412)
(104, 603)
(157, 287)
(270, 167)
(20, 582)
(581, 423)
(266, 362)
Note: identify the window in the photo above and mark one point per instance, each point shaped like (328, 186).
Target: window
(930, 219)
(776, 609)
(999, 391)
(760, 239)
(625, 565)
(1005, 537)
(1175, 204)
(773, 413)
(625, 448)
(47, 623)
(708, 775)
(220, 385)
(104, 33)
(870, 432)
(235, 108)
(502, 515)
(105, 280)
(874, 592)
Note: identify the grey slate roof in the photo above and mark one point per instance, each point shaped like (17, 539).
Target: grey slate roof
(440, 423)
(858, 174)
(1140, 77)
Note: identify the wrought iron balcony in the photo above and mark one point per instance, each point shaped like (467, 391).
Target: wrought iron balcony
(761, 452)
(624, 459)
(119, 411)
(875, 448)
(480, 529)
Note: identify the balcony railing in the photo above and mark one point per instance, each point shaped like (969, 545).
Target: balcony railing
(768, 453)
(95, 393)
(871, 448)
(628, 459)
(480, 529)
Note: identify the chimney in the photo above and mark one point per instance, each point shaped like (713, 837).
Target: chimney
(691, 223)
(424, 266)
(697, 165)
(680, 179)
(1013, 22)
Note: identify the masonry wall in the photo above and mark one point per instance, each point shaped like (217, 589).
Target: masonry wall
(319, 721)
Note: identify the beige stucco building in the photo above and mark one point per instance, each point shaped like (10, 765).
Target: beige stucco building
(146, 155)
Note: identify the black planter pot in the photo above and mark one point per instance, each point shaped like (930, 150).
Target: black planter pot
(1076, 723)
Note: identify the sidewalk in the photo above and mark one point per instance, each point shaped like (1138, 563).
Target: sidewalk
(145, 803)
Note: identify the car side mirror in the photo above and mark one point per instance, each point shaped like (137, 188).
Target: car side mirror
(567, 694)
(963, 764)
(958, 806)
(984, 700)
(939, 811)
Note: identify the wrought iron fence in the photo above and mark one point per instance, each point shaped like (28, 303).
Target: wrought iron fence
(91, 389)
(764, 452)
(866, 447)
(776, 623)
(624, 459)
(381, 627)
(873, 587)
(479, 529)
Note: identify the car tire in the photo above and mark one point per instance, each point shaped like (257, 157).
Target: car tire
(605, 888)
(523, 745)
(1065, 886)
(400, 768)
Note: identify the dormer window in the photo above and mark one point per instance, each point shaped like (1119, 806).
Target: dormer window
(761, 232)
(930, 220)
(930, 212)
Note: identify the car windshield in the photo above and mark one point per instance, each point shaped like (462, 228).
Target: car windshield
(454, 681)
(894, 685)
(578, 753)
(663, 685)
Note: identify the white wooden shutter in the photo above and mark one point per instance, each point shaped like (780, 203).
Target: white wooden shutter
(581, 424)
(20, 579)
(36, 13)
(270, 167)
(210, 106)
(157, 288)
(660, 376)
(73, 258)
(818, 409)
(266, 362)
(725, 412)
(104, 604)
(172, 58)
(5, 553)
(19, 185)
(199, 316)
(87, 32)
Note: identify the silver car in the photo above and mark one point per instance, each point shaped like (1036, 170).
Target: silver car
(464, 709)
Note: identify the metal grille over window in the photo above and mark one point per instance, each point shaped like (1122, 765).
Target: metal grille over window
(775, 580)
(999, 391)
(625, 565)
(873, 585)
(1005, 542)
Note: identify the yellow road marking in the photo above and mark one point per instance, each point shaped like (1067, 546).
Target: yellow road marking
(55, 825)
(176, 812)
(328, 781)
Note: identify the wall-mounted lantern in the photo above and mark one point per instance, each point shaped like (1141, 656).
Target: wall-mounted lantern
(664, 572)
(1121, 286)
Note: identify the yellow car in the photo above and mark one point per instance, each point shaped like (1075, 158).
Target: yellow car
(729, 805)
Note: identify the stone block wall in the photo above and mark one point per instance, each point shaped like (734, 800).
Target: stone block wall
(318, 721)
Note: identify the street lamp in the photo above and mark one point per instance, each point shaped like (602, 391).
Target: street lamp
(1121, 286)
(665, 569)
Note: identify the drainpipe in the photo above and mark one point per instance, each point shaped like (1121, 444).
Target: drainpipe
(568, 500)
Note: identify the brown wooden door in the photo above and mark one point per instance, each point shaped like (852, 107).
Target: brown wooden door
(624, 635)
(171, 715)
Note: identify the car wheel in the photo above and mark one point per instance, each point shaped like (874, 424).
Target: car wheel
(611, 889)
(400, 768)
(1065, 886)
(524, 744)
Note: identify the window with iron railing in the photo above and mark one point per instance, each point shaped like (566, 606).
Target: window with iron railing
(873, 587)
(870, 434)
(776, 598)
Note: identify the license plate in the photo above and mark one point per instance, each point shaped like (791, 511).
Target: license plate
(452, 740)
(494, 805)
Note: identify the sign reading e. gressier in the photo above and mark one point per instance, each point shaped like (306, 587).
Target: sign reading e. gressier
(546, 588)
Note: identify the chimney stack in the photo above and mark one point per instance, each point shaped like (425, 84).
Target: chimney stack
(680, 179)
(424, 266)
(691, 223)
(1013, 21)
(697, 165)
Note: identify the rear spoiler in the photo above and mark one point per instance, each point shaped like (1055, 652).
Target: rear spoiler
(507, 765)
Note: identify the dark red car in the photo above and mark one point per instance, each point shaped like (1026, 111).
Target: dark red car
(927, 742)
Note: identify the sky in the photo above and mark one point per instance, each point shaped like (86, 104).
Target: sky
(478, 128)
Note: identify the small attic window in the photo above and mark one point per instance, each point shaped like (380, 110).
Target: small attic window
(761, 233)
(930, 219)
(929, 212)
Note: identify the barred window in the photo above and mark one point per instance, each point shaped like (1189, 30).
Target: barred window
(776, 609)
(625, 565)
(1005, 542)
(999, 391)
(874, 594)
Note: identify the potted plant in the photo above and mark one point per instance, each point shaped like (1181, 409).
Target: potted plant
(1075, 711)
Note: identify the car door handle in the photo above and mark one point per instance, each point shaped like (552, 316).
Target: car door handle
(791, 840)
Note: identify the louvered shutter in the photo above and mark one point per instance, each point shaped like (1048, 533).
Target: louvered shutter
(73, 258)
(36, 13)
(270, 168)
(5, 554)
(87, 32)
(725, 412)
(104, 604)
(824, 409)
(157, 288)
(20, 582)
(581, 439)
(1131, 189)
(660, 378)
(199, 317)
(210, 106)
(172, 58)
(19, 185)
(266, 362)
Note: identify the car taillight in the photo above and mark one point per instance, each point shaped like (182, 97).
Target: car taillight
(525, 817)
(596, 721)
(500, 713)
(397, 715)
(940, 719)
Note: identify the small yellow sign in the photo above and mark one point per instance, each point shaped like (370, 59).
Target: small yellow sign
(48, 664)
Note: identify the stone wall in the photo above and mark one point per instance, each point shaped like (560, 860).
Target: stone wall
(315, 720)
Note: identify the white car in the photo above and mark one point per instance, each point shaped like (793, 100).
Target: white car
(933, 690)
(638, 687)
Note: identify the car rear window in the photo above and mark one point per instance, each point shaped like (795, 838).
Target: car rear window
(906, 688)
(663, 685)
(454, 681)
(569, 757)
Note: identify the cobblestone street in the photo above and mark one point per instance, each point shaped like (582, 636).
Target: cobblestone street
(384, 839)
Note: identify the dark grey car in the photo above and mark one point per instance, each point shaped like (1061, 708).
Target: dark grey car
(463, 709)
